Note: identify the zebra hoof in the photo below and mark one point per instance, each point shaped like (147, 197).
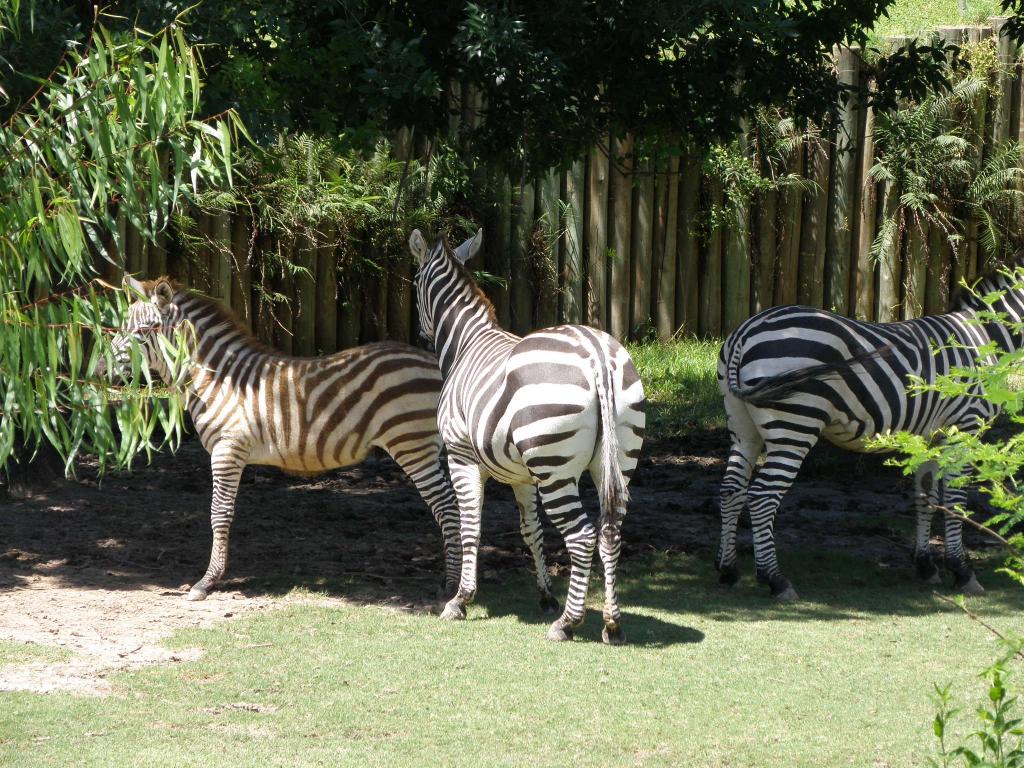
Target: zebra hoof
(196, 593)
(558, 633)
(971, 587)
(788, 595)
(549, 604)
(453, 611)
(613, 635)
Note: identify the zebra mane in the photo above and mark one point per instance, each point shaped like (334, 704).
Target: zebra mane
(219, 315)
(492, 315)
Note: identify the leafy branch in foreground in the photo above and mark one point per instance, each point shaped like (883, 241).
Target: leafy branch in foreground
(113, 134)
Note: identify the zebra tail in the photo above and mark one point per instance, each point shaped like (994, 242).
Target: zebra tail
(614, 492)
(772, 390)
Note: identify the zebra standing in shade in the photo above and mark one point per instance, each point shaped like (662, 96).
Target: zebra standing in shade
(251, 405)
(533, 412)
(791, 375)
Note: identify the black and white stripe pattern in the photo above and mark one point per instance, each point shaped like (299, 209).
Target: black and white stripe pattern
(791, 375)
(251, 405)
(535, 413)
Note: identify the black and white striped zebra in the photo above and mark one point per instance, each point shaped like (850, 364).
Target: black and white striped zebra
(792, 375)
(251, 405)
(535, 413)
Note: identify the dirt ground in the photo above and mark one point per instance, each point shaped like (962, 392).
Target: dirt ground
(99, 568)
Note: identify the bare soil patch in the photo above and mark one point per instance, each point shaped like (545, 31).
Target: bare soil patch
(98, 568)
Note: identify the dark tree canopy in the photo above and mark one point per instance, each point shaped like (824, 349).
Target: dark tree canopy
(553, 74)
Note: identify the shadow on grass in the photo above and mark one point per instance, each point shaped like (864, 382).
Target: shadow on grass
(832, 587)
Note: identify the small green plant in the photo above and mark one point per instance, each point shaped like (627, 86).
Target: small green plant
(998, 741)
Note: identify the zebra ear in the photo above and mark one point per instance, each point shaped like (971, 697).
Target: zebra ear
(418, 246)
(133, 286)
(163, 292)
(470, 248)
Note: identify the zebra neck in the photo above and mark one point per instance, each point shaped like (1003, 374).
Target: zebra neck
(461, 327)
(222, 351)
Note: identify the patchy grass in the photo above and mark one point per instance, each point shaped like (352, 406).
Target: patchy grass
(710, 678)
(681, 384)
(17, 653)
(919, 17)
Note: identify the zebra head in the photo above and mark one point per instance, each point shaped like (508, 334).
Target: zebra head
(151, 316)
(437, 270)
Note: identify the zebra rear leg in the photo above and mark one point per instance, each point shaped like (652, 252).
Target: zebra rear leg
(956, 561)
(468, 481)
(609, 546)
(926, 484)
(746, 446)
(533, 535)
(783, 459)
(423, 466)
(227, 463)
(561, 500)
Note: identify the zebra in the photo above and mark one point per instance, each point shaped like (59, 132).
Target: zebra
(792, 375)
(251, 405)
(534, 413)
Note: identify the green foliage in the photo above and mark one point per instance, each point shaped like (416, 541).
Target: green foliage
(552, 76)
(112, 134)
(999, 740)
(930, 156)
(992, 460)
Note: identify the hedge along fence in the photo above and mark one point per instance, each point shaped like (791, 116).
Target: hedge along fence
(636, 248)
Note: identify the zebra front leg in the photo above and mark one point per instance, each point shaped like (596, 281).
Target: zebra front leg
(530, 527)
(782, 462)
(424, 469)
(746, 445)
(955, 557)
(227, 463)
(468, 481)
(927, 486)
(561, 500)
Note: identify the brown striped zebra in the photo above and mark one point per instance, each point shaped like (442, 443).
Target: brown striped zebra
(251, 405)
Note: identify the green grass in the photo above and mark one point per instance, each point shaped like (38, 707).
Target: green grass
(918, 17)
(681, 386)
(711, 678)
(17, 653)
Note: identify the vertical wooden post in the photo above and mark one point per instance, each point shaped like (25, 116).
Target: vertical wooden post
(915, 288)
(135, 253)
(545, 263)
(867, 267)
(203, 257)
(620, 203)
(844, 209)
(596, 235)
(711, 268)
(304, 297)
(572, 245)
(497, 235)
(767, 252)
(521, 278)
(241, 274)
(326, 311)
(936, 297)
(667, 218)
(736, 258)
(791, 202)
(220, 258)
(400, 274)
(687, 248)
(814, 225)
(350, 296)
(889, 266)
(1005, 50)
(284, 312)
(640, 247)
